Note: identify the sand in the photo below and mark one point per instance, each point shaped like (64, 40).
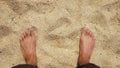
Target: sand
(59, 24)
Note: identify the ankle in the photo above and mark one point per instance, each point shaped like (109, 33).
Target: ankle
(83, 60)
(31, 60)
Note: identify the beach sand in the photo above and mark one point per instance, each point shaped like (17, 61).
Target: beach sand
(58, 24)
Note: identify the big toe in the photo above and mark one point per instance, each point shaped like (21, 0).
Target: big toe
(84, 31)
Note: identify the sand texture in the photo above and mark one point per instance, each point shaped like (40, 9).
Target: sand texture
(58, 24)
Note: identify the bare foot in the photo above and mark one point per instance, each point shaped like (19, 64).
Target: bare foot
(28, 46)
(87, 42)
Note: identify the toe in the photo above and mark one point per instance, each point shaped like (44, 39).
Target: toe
(27, 33)
(93, 36)
(83, 31)
(90, 33)
(22, 37)
(87, 31)
(32, 33)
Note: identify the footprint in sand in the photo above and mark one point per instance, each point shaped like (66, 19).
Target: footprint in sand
(18, 7)
(4, 30)
(43, 7)
(22, 7)
(59, 22)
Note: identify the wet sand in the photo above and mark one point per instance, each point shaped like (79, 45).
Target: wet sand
(58, 24)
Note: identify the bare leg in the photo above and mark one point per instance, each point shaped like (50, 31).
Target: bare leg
(87, 42)
(28, 46)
